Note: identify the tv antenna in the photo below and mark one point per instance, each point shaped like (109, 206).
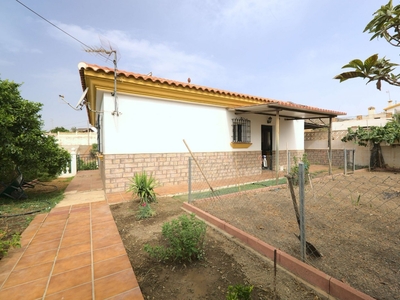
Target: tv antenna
(101, 50)
(81, 102)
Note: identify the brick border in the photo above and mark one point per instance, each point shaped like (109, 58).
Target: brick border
(313, 276)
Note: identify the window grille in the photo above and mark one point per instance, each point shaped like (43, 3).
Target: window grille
(241, 130)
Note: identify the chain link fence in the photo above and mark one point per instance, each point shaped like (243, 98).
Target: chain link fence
(351, 221)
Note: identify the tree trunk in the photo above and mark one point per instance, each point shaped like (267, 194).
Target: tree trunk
(377, 160)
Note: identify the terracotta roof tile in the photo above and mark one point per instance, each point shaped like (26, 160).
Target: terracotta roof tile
(260, 100)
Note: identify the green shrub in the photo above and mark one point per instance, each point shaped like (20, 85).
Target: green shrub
(184, 239)
(143, 186)
(145, 211)
(239, 292)
(5, 244)
(294, 172)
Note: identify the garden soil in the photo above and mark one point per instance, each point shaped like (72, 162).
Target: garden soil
(226, 262)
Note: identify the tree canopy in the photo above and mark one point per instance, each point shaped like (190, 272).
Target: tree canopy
(59, 129)
(390, 134)
(23, 144)
(385, 24)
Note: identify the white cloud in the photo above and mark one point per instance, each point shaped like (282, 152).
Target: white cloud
(143, 56)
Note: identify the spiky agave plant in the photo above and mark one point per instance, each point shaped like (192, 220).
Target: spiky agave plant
(142, 186)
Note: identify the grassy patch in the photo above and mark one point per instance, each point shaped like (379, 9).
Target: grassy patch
(43, 197)
(232, 189)
(16, 215)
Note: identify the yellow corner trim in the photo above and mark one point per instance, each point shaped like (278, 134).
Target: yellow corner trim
(241, 145)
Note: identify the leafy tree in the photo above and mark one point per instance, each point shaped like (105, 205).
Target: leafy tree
(59, 129)
(385, 24)
(390, 133)
(23, 144)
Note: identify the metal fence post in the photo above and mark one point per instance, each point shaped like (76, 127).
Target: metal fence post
(190, 180)
(345, 161)
(302, 213)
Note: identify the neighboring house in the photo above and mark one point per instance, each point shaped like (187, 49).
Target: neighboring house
(392, 108)
(316, 140)
(143, 125)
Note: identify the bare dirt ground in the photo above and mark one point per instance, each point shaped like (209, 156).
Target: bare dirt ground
(353, 220)
(226, 262)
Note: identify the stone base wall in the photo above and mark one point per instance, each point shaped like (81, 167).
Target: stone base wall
(320, 157)
(173, 168)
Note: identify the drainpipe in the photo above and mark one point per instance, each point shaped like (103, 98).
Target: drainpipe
(277, 146)
(330, 145)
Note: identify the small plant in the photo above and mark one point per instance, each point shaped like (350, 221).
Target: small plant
(184, 239)
(5, 244)
(239, 292)
(143, 186)
(294, 172)
(145, 211)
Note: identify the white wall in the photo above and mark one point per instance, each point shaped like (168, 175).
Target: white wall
(75, 138)
(148, 125)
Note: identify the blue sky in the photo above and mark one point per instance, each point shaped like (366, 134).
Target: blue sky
(287, 50)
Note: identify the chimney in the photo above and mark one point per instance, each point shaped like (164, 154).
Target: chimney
(390, 102)
(371, 110)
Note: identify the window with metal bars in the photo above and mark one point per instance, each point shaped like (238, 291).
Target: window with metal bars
(241, 130)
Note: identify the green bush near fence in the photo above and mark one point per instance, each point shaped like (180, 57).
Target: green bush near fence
(86, 165)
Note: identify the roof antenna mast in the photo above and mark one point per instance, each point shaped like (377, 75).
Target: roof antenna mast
(101, 50)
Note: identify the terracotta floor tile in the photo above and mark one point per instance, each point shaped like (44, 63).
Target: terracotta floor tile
(74, 250)
(35, 259)
(81, 292)
(3, 277)
(72, 262)
(99, 204)
(70, 279)
(111, 266)
(8, 262)
(134, 294)
(108, 252)
(39, 247)
(27, 235)
(57, 210)
(115, 284)
(77, 238)
(102, 219)
(58, 216)
(44, 238)
(105, 225)
(34, 289)
(105, 231)
(100, 240)
(49, 233)
(80, 206)
(78, 221)
(54, 224)
(74, 230)
(103, 210)
(33, 273)
(38, 219)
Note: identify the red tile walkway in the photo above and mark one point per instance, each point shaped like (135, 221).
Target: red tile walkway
(73, 252)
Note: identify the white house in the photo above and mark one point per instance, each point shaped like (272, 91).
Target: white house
(142, 126)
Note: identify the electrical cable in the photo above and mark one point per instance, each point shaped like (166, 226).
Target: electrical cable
(62, 30)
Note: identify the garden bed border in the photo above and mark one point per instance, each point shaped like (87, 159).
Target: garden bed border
(311, 275)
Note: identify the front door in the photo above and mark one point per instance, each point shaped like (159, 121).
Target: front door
(266, 147)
